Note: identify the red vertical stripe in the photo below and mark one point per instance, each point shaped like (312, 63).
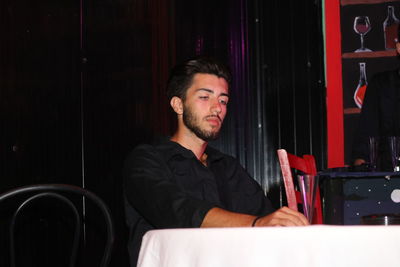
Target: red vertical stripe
(334, 84)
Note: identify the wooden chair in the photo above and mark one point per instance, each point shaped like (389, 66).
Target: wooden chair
(305, 164)
(26, 202)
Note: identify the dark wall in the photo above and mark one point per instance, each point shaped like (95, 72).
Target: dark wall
(40, 100)
(287, 70)
(81, 83)
(39, 92)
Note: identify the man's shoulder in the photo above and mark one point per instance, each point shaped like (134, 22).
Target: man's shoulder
(144, 148)
(386, 76)
(147, 149)
(161, 148)
(142, 152)
(385, 84)
(145, 156)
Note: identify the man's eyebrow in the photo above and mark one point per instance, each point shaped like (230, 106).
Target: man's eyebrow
(211, 91)
(224, 94)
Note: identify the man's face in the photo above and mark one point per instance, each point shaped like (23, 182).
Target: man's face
(205, 106)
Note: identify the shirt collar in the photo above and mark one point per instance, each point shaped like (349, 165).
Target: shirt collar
(171, 149)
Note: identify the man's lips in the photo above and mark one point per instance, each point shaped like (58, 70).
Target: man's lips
(213, 119)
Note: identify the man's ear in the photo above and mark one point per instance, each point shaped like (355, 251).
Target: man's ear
(177, 105)
(398, 47)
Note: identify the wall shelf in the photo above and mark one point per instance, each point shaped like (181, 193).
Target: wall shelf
(386, 53)
(360, 2)
(352, 111)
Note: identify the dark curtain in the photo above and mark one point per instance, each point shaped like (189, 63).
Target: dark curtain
(287, 70)
(40, 129)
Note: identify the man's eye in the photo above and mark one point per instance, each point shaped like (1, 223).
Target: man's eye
(223, 102)
(203, 97)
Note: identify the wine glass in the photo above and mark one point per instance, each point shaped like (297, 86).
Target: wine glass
(362, 26)
(373, 147)
(394, 147)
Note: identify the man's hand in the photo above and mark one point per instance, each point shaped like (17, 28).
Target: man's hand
(218, 217)
(358, 162)
(283, 217)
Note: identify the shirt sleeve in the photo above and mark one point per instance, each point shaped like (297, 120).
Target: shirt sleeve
(149, 189)
(254, 196)
(239, 191)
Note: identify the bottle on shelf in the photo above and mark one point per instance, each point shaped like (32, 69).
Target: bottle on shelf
(362, 86)
(390, 26)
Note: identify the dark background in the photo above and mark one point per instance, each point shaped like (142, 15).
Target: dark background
(82, 82)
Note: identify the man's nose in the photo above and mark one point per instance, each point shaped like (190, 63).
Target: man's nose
(216, 107)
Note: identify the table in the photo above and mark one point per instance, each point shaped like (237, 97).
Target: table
(350, 195)
(309, 246)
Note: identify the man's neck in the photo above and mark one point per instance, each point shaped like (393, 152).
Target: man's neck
(192, 142)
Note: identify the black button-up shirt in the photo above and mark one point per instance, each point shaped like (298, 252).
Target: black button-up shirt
(166, 186)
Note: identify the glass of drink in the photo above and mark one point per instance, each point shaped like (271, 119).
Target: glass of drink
(308, 187)
(362, 26)
(394, 148)
(373, 146)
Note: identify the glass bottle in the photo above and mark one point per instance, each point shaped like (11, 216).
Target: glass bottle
(390, 29)
(362, 86)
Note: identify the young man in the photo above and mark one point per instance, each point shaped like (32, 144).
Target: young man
(181, 182)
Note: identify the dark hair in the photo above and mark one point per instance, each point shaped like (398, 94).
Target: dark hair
(181, 76)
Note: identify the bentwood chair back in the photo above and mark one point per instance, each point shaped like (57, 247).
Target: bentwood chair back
(306, 165)
(26, 203)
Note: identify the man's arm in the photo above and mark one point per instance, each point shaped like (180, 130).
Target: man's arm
(247, 202)
(150, 190)
(217, 217)
(162, 203)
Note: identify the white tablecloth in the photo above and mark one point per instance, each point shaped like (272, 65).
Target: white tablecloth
(309, 246)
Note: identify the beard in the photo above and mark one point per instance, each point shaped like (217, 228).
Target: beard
(192, 123)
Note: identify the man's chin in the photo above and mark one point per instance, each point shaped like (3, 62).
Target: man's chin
(208, 136)
(212, 136)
